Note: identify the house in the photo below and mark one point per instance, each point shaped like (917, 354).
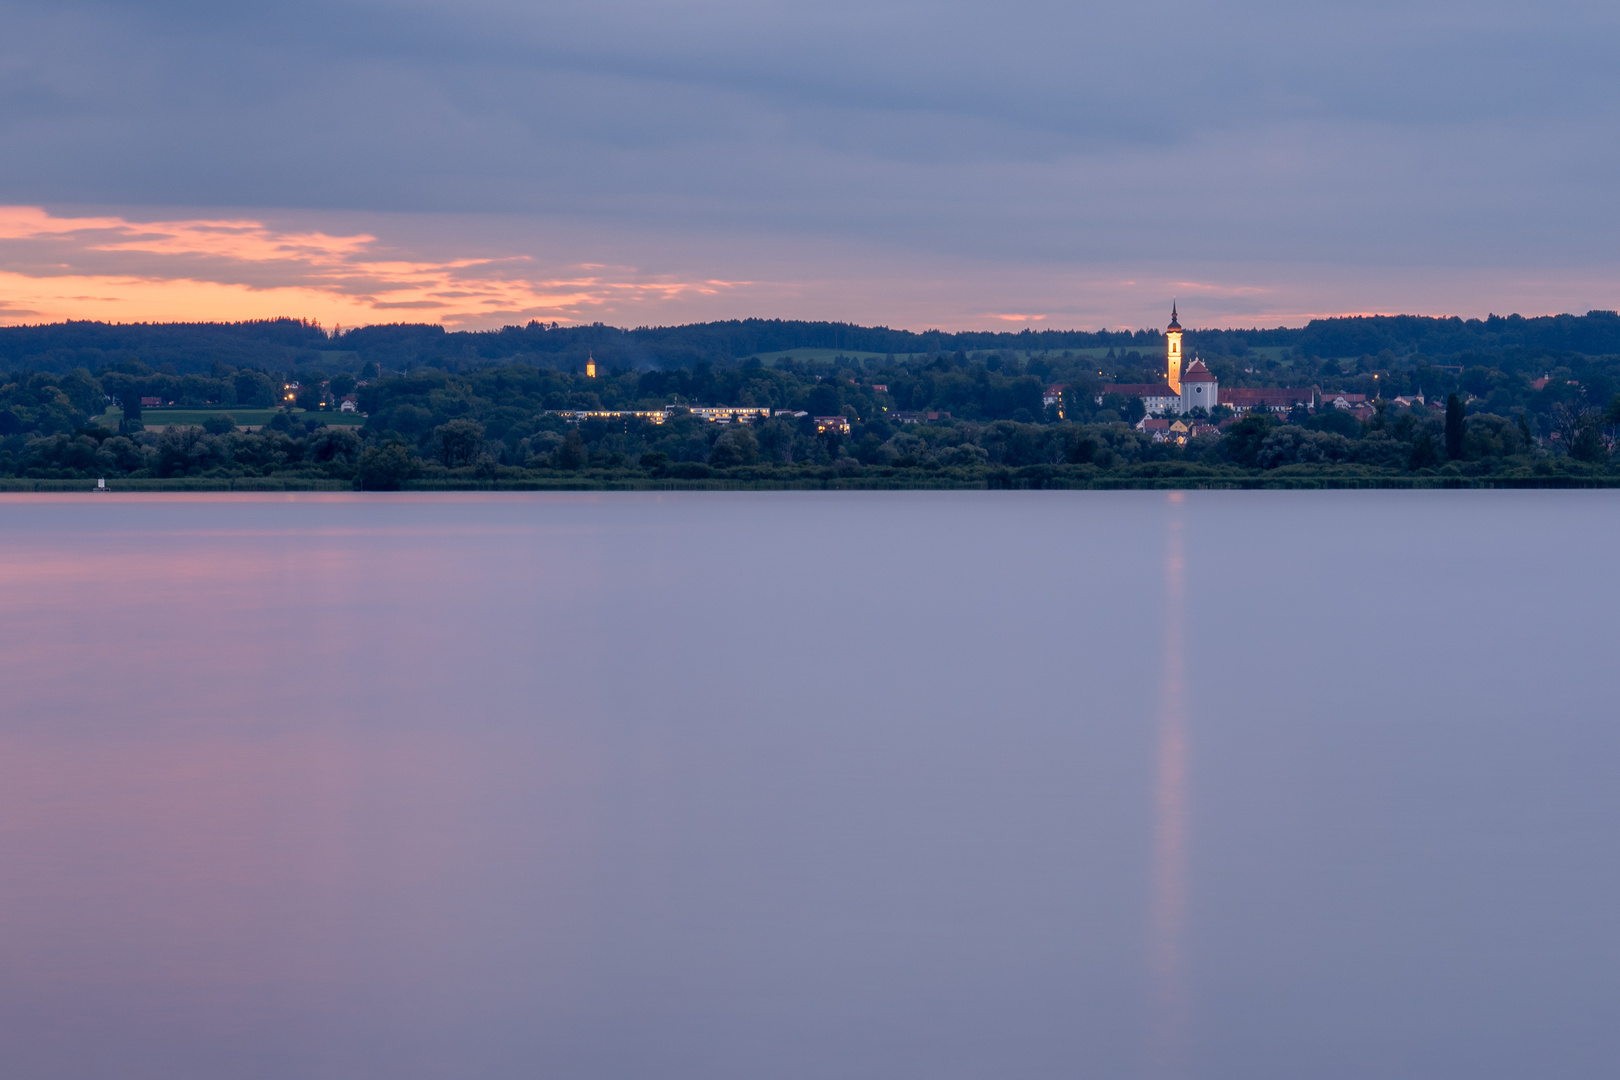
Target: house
(722, 414)
(151, 402)
(1278, 399)
(1409, 401)
(1159, 429)
(901, 417)
(1156, 397)
(580, 415)
(839, 424)
(881, 388)
(937, 416)
(351, 403)
(1343, 401)
(794, 413)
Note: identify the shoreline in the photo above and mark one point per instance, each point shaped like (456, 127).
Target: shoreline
(1003, 482)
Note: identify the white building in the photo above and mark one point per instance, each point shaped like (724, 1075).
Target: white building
(1182, 391)
(1199, 389)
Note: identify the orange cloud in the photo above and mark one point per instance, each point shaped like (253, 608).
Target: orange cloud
(109, 268)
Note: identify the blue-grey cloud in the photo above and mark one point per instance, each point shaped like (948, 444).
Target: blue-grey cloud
(1435, 133)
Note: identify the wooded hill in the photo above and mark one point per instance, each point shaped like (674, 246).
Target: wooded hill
(286, 345)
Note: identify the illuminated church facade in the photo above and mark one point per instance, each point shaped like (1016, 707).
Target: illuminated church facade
(1184, 388)
(1195, 387)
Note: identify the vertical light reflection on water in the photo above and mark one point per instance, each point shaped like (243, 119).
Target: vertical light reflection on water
(1169, 901)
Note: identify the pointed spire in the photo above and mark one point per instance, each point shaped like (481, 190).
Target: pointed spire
(1175, 321)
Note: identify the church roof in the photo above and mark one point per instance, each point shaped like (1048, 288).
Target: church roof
(1197, 372)
(1265, 395)
(1137, 389)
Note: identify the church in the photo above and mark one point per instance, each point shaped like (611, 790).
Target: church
(1182, 390)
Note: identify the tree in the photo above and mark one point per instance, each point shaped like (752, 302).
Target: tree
(1529, 436)
(735, 447)
(223, 424)
(333, 444)
(386, 468)
(1454, 427)
(126, 390)
(779, 437)
(1338, 421)
(1588, 444)
(254, 389)
(1424, 454)
(572, 453)
(824, 401)
(458, 442)
(1244, 438)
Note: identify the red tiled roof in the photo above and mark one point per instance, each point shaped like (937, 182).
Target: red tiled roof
(1197, 372)
(1264, 395)
(1139, 389)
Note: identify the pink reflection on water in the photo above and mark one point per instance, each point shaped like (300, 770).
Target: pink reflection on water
(1167, 928)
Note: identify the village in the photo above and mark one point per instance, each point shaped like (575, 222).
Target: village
(1190, 401)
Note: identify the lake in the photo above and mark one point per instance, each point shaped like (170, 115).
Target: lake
(810, 785)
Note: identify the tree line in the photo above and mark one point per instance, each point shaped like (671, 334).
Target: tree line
(963, 416)
(280, 346)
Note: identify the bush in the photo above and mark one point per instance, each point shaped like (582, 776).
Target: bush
(571, 454)
(1243, 439)
(386, 468)
(1294, 445)
(735, 447)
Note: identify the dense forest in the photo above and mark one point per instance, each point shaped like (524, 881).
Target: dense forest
(1529, 398)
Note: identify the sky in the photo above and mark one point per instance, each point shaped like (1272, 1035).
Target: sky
(942, 164)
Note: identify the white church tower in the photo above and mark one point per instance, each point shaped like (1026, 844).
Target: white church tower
(1172, 358)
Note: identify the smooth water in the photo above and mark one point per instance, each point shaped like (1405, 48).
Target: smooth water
(748, 787)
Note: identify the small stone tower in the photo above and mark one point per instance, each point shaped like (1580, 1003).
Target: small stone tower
(1172, 358)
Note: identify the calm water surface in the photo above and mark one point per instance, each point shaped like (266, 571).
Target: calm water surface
(745, 787)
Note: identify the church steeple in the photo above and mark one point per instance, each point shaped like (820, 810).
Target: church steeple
(1172, 351)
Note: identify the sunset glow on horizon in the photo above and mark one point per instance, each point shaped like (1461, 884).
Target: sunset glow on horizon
(112, 269)
(58, 266)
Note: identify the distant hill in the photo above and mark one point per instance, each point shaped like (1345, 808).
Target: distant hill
(287, 344)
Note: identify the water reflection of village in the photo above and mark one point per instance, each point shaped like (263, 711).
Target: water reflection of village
(1167, 918)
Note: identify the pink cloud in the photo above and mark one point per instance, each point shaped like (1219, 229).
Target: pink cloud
(111, 268)
(479, 272)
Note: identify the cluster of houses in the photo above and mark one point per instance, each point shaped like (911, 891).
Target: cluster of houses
(1169, 405)
(714, 414)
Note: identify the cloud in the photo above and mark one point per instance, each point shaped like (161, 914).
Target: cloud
(484, 271)
(910, 162)
(107, 267)
(1367, 130)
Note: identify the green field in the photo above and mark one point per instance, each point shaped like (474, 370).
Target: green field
(157, 418)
